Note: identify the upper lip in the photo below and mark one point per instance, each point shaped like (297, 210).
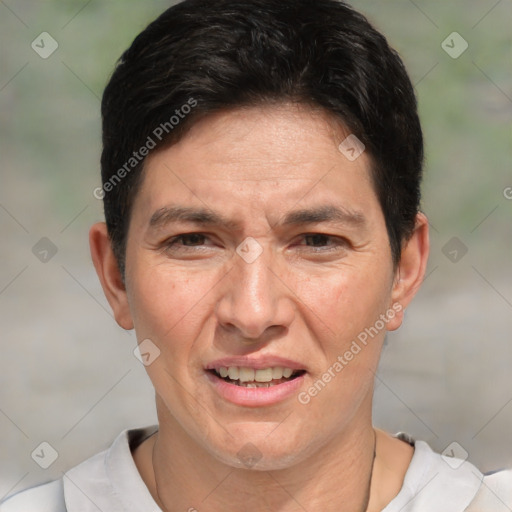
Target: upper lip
(258, 363)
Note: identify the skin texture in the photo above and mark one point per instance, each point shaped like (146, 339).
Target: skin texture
(305, 298)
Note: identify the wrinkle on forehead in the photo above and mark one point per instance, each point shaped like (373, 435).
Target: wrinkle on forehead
(269, 142)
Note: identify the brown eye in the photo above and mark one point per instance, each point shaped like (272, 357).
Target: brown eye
(321, 244)
(192, 239)
(191, 246)
(317, 240)
(185, 241)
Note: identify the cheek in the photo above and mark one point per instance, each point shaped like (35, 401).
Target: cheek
(347, 300)
(163, 301)
(170, 308)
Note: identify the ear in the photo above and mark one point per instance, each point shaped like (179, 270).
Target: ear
(411, 271)
(108, 272)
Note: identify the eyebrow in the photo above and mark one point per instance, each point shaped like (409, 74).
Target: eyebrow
(204, 216)
(326, 213)
(170, 214)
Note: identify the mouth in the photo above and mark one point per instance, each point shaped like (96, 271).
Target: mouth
(256, 378)
(262, 381)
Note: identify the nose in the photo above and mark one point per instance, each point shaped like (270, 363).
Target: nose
(255, 299)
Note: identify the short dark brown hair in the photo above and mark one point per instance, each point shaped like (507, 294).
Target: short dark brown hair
(204, 56)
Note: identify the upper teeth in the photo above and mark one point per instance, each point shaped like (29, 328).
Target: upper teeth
(250, 374)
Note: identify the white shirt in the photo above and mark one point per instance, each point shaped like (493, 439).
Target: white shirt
(110, 482)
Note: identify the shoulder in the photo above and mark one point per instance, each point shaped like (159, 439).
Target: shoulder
(445, 481)
(107, 481)
(43, 498)
(494, 494)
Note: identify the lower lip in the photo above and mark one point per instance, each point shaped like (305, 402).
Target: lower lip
(255, 397)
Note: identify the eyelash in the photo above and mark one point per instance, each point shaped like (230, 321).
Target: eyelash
(338, 241)
(172, 241)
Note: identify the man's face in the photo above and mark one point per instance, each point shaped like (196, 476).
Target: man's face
(256, 244)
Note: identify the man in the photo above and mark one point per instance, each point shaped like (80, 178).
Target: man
(261, 176)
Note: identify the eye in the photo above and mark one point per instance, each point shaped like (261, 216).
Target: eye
(317, 239)
(187, 239)
(186, 242)
(323, 242)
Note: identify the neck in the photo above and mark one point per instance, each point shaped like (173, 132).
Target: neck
(181, 475)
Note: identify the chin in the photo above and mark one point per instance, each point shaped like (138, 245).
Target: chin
(251, 458)
(256, 447)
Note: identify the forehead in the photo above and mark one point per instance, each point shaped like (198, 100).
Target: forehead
(258, 155)
(274, 135)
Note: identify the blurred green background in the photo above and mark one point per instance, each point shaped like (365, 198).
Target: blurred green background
(68, 375)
